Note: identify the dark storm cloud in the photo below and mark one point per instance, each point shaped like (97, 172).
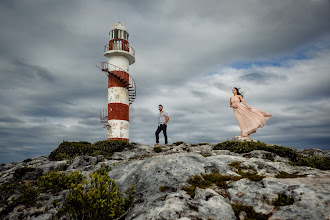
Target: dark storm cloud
(20, 74)
(259, 77)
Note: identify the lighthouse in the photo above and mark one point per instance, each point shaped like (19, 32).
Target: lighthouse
(121, 86)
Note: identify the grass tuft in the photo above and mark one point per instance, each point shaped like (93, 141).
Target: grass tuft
(296, 159)
(178, 143)
(252, 175)
(283, 200)
(250, 212)
(207, 180)
(69, 150)
(157, 149)
(283, 175)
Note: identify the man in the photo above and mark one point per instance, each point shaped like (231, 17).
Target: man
(162, 124)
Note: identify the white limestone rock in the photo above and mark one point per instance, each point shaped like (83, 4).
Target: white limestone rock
(148, 171)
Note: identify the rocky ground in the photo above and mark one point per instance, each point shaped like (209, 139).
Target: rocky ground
(160, 178)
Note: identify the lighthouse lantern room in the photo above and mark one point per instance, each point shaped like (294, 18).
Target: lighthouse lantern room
(121, 86)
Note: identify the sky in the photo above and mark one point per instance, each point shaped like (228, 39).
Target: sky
(189, 56)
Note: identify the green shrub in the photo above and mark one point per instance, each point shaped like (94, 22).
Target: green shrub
(27, 160)
(207, 180)
(58, 181)
(322, 163)
(6, 190)
(56, 203)
(103, 170)
(295, 158)
(69, 150)
(252, 175)
(157, 149)
(205, 143)
(251, 214)
(28, 195)
(283, 200)
(98, 198)
(248, 146)
(219, 180)
(20, 172)
(206, 154)
(190, 190)
(178, 143)
(163, 188)
(283, 175)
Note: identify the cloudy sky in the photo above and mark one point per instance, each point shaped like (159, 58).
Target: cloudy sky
(189, 56)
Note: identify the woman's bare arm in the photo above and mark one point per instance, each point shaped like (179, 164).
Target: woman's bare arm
(240, 98)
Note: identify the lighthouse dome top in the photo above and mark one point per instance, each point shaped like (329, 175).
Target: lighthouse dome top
(118, 26)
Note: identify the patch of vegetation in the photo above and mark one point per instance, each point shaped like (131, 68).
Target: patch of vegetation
(260, 166)
(206, 154)
(27, 160)
(157, 149)
(251, 214)
(28, 195)
(283, 200)
(207, 180)
(283, 175)
(56, 203)
(98, 198)
(140, 157)
(252, 175)
(269, 156)
(58, 181)
(295, 158)
(7, 190)
(322, 163)
(163, 188)
(103, 170)
(200, 144)
(22, 171)
(178, 143)
(190, 190)
(70, 150)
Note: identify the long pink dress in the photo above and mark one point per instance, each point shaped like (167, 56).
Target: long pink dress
(249, 120)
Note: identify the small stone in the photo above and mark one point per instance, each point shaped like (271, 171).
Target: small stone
(242, 215)
(239, 194)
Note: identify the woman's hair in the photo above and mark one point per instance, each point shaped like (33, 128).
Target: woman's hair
(238, 92)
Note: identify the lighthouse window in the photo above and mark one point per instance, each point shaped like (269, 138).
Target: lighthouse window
(116, 34)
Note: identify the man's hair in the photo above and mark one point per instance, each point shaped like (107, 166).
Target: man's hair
(160, 105)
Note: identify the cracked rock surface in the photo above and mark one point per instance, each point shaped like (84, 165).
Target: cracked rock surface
(159, 179)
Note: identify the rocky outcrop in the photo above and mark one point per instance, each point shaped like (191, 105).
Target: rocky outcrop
(160, 180)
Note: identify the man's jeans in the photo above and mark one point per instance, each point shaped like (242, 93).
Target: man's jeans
(159, 129)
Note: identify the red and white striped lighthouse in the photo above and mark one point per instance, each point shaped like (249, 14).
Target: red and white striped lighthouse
(121, 86)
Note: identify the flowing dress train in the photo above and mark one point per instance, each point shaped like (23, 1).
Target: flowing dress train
(249, 120)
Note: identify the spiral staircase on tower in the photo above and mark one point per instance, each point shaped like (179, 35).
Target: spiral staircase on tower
(123, 77)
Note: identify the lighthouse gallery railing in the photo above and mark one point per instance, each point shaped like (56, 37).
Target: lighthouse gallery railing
(119, 45)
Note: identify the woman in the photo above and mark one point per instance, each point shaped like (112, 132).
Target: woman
(249, 119)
